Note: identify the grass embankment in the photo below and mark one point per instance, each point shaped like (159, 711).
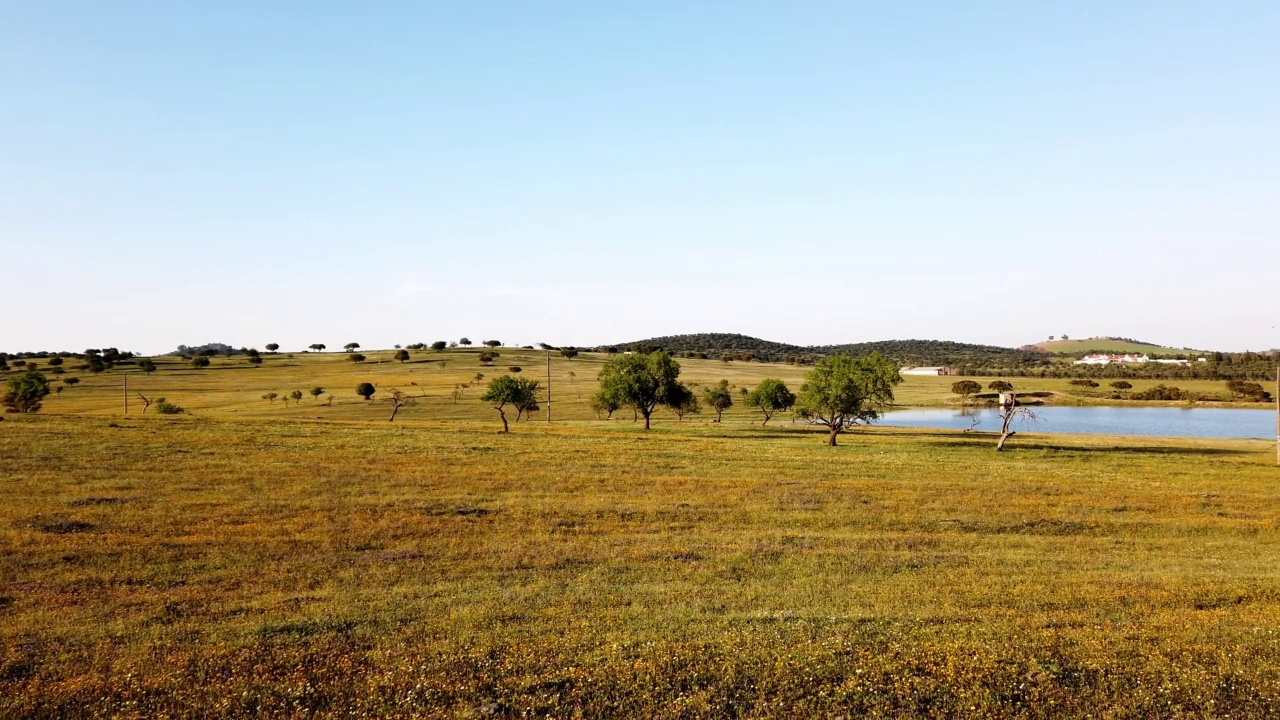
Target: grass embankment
(289, 567)
(232, 387)
(1109, 346)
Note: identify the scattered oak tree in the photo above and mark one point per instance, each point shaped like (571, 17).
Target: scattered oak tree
(366, 390)
(493, 343)
(270, 398)
(318, 347)
(316, 392)
(508, 390)
(1002, 386)
(147, 366)
(842, 391)
(684, 402)
(349, 347)
(26, 392)
(1122, 385)
(642, 382)
(465, 342)
(439, 345)
(198, 363)
(402, 355)
(965, 388)
(296, 395)
(771, 396)
(357, 358)
(719, 398)
(272, 347)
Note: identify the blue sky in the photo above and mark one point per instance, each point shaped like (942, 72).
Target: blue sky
(584, 173)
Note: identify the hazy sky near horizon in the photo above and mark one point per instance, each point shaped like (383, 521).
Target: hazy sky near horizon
(587, 173)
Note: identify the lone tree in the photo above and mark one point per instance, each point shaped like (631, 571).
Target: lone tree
(718, 398)
(508, 390)
(318, 347)
(842, 391)
(569, 353)
(464, 342)
(1009, 410)
(272, 347)
(402, 355)
(200, 362)
(966, 388)
(398, 400)
(771, 396)
(351, 346)
(26, 392)
(366, 390)
(1003, 386)
(643, 382)
(147, 366)
(439, 345)
(493, 343)
(316, 392)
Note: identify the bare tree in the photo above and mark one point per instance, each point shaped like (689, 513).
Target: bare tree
(145, 403)
(1010, 409)
(398, 400)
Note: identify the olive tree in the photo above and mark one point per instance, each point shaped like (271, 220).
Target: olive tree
(771, 396)
(643, 382)
(842, 391)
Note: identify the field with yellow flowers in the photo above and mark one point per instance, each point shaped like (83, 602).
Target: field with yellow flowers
(248, 559)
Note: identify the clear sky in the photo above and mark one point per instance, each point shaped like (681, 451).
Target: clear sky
(586, 173)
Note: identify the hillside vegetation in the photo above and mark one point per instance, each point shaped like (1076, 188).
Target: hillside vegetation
(907, 352)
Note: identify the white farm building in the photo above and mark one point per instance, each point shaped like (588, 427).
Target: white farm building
(935, 371)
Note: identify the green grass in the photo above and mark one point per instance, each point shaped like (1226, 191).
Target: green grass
(1112, 346)
(240, 564)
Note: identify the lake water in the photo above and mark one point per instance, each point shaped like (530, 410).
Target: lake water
(1103, 420)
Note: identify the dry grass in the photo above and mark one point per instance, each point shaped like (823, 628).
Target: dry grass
(202, 566)
(232, 387)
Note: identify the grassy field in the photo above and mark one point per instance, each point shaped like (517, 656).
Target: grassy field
(211, 566)
(1105, 345)
(231, 387)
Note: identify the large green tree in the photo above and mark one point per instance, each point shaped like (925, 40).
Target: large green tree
(26, 392)
(643, 382)
(842, 391)
(771, 396)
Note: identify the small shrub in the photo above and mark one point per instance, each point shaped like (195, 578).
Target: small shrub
(1122, 385)
(1081, 382)
(164, 407)
(515, 368)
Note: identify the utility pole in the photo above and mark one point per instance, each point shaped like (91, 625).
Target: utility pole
(548, 386)
(126, 395)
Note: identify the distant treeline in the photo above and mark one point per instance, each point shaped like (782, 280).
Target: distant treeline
(965, 358)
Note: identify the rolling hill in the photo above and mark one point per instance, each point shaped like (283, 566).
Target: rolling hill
(1108, 345)
(907, 352)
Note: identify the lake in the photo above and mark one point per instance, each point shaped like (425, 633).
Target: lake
(1103, 420)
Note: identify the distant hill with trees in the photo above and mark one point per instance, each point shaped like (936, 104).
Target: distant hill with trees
(1086, 346)
(734, 346)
